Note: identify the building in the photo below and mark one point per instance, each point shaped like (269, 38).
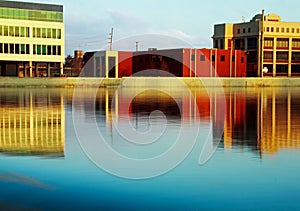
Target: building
(184, 62)
(272, 46)
(32, 39)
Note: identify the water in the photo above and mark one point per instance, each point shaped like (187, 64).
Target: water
(43, 165)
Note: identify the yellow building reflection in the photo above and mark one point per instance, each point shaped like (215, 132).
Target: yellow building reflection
(32, 122)
(266, 119)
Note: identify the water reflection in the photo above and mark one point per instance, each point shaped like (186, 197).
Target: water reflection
(32, 122)
(264, 120)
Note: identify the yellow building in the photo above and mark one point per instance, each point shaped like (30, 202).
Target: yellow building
(272, 46)
(31, 39)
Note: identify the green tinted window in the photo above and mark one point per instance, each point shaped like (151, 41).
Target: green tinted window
(22, 31)
(44, 50)
(11, 31)
(22, 48)
(38, 49)
(44, 35)
(58, 33)
(38, 32)
(54, 33)
(1, 33)
(17, 31)
(49, 33)
(5, 30)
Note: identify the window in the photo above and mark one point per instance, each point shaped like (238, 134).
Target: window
(296, 43)
(38, 50)
(17, 49)
(202, 58)
(38, 32)
(11, 31)
(193, 57)
(1, 47)
(213, 58)
(34, 32)
(298, 30)
(22, 31)
(272, 29)
(293, 30)
(44, 33)
(5, 48)
(268, 29)
(287, 30)
(239, 31)
(59, 50)
(268, 42)
(282, 30)
(23, 49)
(58, 34)
(11, 48)
(242, 59)
(222, 58)
(49, 33)
(233, 58)
(282, 56)
(49, 50)
(54, 50)
(282, 43)
(44, 50)
(1, 33)
(249, 30)
(17, 31)
(277, 29)
(54, 33)
(27, 49)
(34, 49)
(5, 30)
(268, 55)
(244, 30)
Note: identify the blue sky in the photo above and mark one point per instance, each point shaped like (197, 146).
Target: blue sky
(88, 22)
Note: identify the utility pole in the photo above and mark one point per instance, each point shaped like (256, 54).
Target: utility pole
(137, 46)
(111, 35)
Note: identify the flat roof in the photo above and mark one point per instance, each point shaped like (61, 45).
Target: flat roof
(31, 6)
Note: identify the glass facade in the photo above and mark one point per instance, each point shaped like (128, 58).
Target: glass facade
(34, 15)
(12, 48)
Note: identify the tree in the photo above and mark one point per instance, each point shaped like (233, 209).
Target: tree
(69, 61)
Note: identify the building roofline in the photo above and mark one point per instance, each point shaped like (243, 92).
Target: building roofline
(31, 6)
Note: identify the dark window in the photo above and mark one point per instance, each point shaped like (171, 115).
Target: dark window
(202, 58)
(193, 57)
(233, 58)
(1, 48)
(59, 50)
(213, 58)
(54, 50)
(23, 49)
(5, 48)
(272, 29)
(239, 31)
(12, 48)
(27, 49)
(277, 30)
(222, 58)
(34, 49)
(49, 50)
(287, 30)
(249, 30)
(242, 60)
(44, 50)
(17, 48)
(244, 30)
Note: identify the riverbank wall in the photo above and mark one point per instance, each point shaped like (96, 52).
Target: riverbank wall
(147, 82)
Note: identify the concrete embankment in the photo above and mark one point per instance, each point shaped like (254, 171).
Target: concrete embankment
(148, 82)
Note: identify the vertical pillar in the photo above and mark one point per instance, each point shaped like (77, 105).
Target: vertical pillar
(290, 57)
(24, 70)
(61, 67)
(48, 69)
(30, 69)
(36, 70)
(274, 56)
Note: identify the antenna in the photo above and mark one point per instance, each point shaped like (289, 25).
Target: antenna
(111, 35)
(137, 46)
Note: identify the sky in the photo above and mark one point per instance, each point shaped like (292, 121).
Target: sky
(88, 22)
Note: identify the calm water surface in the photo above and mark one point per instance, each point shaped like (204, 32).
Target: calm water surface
(256, 165)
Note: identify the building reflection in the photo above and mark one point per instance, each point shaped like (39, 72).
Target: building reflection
(32, 122)
(267, 120)
(262, 120)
